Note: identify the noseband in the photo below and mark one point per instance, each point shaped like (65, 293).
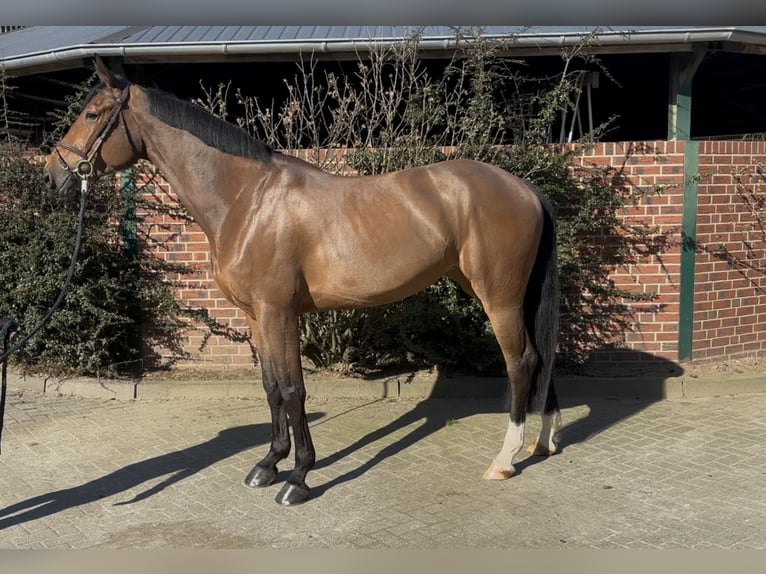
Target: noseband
(84, 168)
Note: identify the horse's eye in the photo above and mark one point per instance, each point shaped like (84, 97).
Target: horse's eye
(91, 116)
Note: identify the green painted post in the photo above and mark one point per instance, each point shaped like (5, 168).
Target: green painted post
(683, 68)
(130, 247)
(688, 252)
(129, 229)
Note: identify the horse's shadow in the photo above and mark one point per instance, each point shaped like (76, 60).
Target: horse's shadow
(448, 402)
(181, 463)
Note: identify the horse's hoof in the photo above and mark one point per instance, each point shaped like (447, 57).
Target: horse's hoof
(539, 449)
(292, 494)
(495, 472)
(261, 476)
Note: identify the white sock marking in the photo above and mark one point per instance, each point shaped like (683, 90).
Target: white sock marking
(514, 440)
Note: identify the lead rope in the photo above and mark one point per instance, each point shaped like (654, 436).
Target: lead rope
(7, 331)
(9, 328)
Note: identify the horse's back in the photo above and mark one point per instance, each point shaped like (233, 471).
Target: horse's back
(485, 190)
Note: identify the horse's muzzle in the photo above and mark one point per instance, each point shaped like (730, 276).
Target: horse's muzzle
(48, 181)
(58, 182)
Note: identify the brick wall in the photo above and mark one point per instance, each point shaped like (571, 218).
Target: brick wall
(183, 241)
(730, 301)
(655, 170)
(730, 295)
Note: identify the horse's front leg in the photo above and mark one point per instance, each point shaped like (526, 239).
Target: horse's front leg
(265, 472)
(283, 380)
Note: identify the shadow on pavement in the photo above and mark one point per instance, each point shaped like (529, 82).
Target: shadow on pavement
(182, 463)
(609, 401)
(452, 399)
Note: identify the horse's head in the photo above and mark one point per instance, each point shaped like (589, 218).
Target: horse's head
(99, 141)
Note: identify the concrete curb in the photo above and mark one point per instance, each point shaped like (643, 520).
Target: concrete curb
(414, 386)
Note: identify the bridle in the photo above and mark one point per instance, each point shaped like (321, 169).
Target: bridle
(84, 168)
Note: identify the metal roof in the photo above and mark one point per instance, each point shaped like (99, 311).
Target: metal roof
(45, 48)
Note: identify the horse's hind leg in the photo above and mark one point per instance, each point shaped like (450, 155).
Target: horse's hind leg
(545, 444)
(521, 360)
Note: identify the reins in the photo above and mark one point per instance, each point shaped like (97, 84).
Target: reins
(84, 170)
(8, 329)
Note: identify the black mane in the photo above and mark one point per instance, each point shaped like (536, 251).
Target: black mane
(213, 131)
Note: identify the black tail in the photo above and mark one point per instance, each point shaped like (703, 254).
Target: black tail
(541, 309)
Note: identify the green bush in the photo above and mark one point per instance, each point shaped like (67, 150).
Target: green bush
(119, 311)
(90, 333)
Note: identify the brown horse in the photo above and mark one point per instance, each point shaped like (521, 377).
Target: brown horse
(287, 238)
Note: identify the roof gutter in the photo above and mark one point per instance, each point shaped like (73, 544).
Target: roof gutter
(72, 56)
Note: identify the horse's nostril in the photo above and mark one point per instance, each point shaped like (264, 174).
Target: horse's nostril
(48, 180)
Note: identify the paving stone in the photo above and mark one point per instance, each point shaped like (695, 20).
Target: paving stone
(168, 473)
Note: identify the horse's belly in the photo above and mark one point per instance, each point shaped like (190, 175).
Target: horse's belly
(367, 282)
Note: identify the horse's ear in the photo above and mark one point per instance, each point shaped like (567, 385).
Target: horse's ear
(106, 75)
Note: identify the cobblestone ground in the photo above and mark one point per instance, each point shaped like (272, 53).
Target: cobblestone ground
(84, 473)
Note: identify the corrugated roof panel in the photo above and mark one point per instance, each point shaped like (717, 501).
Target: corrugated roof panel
(273, 33)
(191, 33)
(154, 34)
(181, 34)
(324, 31)
(144, 33)
(168, 34)
(242, 33)
(36, 39)
(212, 33)
(51, 47)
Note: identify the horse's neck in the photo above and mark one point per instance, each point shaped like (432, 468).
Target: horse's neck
(194, 171)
